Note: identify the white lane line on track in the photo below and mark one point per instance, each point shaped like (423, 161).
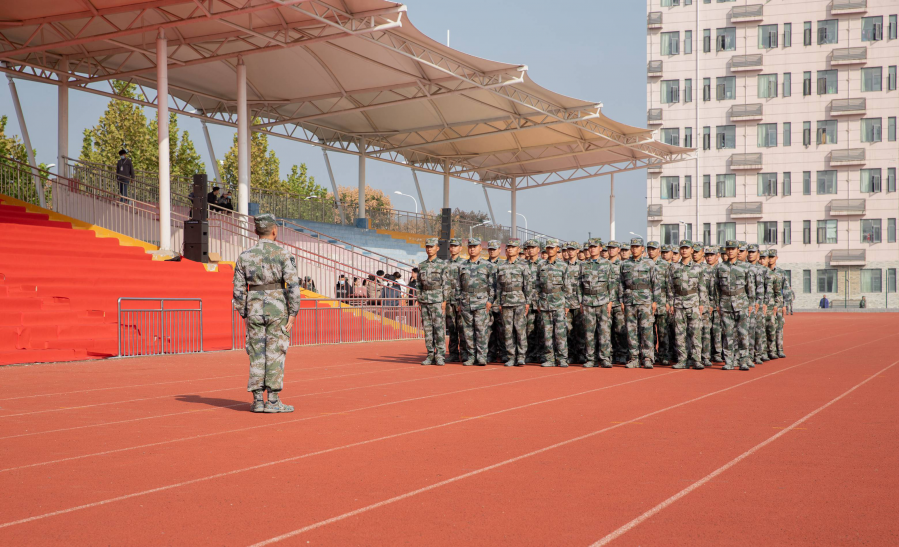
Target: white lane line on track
(655, 510)
(530, 454)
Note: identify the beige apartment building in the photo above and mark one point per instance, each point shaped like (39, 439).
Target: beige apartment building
(791, 106)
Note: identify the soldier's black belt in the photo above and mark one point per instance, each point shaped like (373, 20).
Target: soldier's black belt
(266, 287)
(727, 292)
(514, 288)
(639, 287)
(593, 292)
(687, 292)
(429, 287)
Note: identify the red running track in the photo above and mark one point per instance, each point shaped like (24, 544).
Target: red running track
(383, 451)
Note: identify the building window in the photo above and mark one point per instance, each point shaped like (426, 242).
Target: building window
(891, 230)
(871, 280)
(827, 132)
(725, 186)
(891, 279)
(706, 40)
(688, 42)
(872, 129)
(827, 182)
(788, 34)
(707, 186)
(767, 36)
(767, 184)
(788, 137)
(688, 231)
(725, 231)
(891, 33)
(787, 235)
(806, 83)
(688, 90)
(807, 33)
(670, 41)
(806, 133)
(806, 232)
(767, 135)
(726, 88)
(669, 3)
(767, 86)
(670, 91)
(788, 82)
(726, 136)
(670, 187)
(670, 234)
(891, 78)
(706, 233)
(807, 281)
(806, 183)
(891, 179)
(827, 82)
(787, 184)
(671, 135)
(789, 275)
(767, 233)
(827, 231)
(688, 137)
(726, 39)
(827, 32)
(872, 79)
(871, 230)
(827, 281)
(688, 187)
(891, 129)
(870, 180)
(706, 138)
(872, 29)
(706, 89)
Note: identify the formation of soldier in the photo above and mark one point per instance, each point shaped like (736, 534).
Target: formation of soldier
(598, 304)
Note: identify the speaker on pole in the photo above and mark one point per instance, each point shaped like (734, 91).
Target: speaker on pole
(199, 203)
(446, 232)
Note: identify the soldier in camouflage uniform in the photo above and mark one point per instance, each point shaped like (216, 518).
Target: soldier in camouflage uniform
(535, 321)
(552, 301)
(619, 325)
(597, 290)
(475, 294)
(776, 343)
(661, 328)
(457, 349)
(513, 297)
(641, 295)
(711, 320)
(576, 342)
(267, 296)
(687, 295)
(433, 286)
(757, 319)
(736, 291)
(496, 347)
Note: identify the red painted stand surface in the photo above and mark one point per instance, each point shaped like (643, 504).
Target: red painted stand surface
(383, 451)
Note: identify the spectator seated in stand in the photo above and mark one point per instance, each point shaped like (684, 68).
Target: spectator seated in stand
(212, 198)
(359, 290)
(343, 288)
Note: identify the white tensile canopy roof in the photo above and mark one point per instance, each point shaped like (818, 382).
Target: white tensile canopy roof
(346, 75)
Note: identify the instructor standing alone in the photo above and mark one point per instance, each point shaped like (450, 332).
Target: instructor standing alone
(267, 296)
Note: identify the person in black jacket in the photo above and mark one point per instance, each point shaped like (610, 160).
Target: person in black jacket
(212, 198)
(124, 172)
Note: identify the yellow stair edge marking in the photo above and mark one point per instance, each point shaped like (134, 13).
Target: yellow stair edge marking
(408, 237)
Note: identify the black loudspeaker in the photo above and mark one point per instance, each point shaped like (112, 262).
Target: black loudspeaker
(196, 240)
(199, 203)
(446, 231)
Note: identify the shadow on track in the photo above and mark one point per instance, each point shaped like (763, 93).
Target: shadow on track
(216, 402)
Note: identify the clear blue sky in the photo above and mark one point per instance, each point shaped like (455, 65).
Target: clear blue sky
(589, 49)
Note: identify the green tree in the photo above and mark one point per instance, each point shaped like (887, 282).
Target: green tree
(17, 179)
(10, 147)
(299, 182)
(265, 170)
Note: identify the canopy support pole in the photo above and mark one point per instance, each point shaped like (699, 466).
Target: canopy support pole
(337, 199)
(361, 221)
(243, 141)
(62, 123)
(162, 105)
(27, 140)
(446, 181)
(421, 198)
(489, 206)
(612, 209)
(215, 163)
(514, 230)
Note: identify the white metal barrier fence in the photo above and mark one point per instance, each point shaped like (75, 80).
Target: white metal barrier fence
(147, 326)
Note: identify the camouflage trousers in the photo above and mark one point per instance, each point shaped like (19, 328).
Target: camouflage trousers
(555, 336)
(457, 349)
(597, 334)
(688, 332)
(711, 335)
(665, 351)
(640, 340)
(535, 336)
(515, 324)
(760, 338)
(619, 334)
(496, 346)
(736, 334)
(474, 327)
(576, 342)
(267, 343)
(433, 322)
(774, 332)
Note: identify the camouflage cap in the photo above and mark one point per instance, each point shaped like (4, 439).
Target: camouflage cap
(455, 241)
(613, 244)
(685, 243)
(637, 242)
(667, 248)
(473, 241)
(710, 250)
(493, 244)
(531, 243)
(772, 252)
(653, 245)
(742, 246)
(572, 245)
(594, 242)
(752, 248)
(722, 250)
(731, 244)
(697, 248)
(551, 243)
(432, 242)
(265, 221)
(513, 242)
(585, 246)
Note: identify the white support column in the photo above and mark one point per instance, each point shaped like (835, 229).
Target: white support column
(243, 141)
(421, 198)
(489, 206)
(334, 188)
(62, 123)
(446, 179)
(612, 209)
(361, 221)
(514, 230)
(162, 106)
(27, 141)
(215, 163)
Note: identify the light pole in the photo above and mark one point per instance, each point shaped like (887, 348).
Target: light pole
(410, 197)
(525, 220)
(636, 234)
(470, 228)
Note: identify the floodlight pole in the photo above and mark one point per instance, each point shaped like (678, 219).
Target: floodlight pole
(215, 163)
(162, 105)
(243, 141)
(361, 221)
(62, 122)
(421, 198)
(612, 209)
(27, 141)
(337, 199)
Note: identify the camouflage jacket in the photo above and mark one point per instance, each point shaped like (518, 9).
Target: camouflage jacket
(616, 278)
(777, 288)
(597, 283)
(760, 277)
(687, 287)
(552, 285)
(476, 285)
(262, 264)
(433, 282)
(533, 267)
(711, 288)
(513, 283)
(639, 283)
(453, 278)
(574, 300)
(735, 285)
(663, 267)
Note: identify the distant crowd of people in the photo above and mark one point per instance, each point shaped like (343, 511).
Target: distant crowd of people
(378, 289)
(219, 198)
